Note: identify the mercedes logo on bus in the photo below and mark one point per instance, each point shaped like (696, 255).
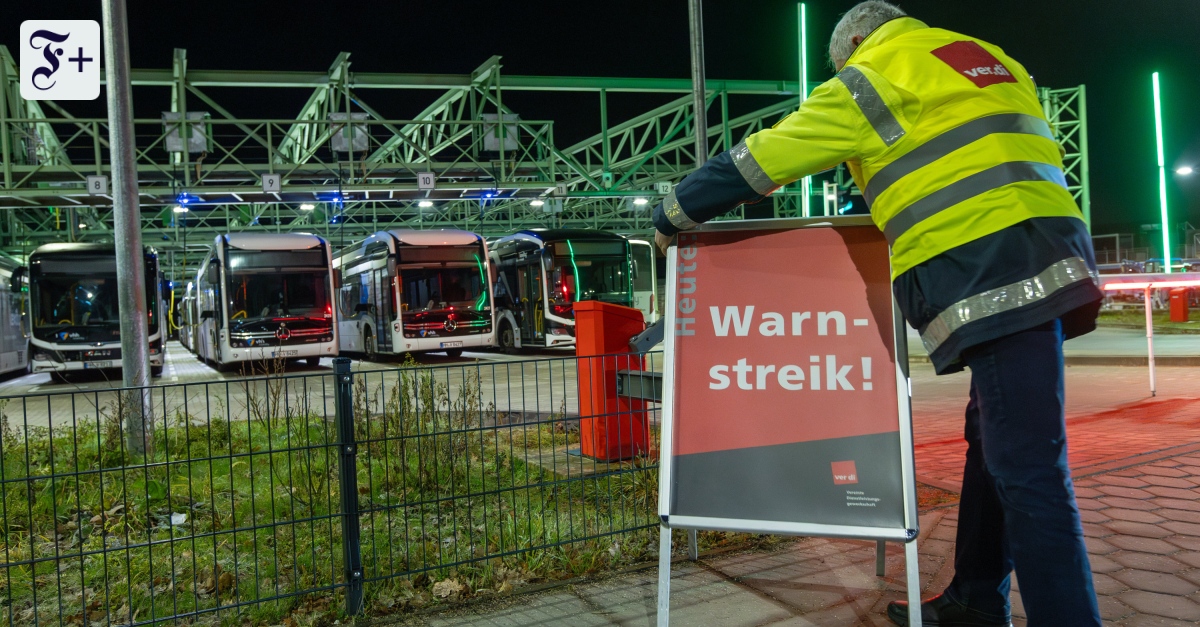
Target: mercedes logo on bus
(283, 334)
(450, 324)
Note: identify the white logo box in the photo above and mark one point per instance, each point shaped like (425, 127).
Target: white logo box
(60, 59)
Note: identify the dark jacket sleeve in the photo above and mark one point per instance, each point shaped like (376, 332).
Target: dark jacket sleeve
(715, 188)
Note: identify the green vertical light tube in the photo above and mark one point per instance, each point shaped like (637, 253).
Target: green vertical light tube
(1162, 176)
(802, 24)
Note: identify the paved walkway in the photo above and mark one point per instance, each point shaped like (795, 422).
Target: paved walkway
(1137, 465)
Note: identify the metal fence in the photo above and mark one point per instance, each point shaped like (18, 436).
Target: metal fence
(268, 495)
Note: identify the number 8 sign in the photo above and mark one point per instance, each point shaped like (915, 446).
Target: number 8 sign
(97, 185)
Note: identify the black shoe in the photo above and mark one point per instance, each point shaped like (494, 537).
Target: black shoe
(942, 611)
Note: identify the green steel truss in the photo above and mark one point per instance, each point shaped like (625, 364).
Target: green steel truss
(495, 172)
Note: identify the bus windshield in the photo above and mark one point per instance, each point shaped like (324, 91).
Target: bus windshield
(64, 294)
(77, 301)
(590, 271)
(426, 288)
(255, 295)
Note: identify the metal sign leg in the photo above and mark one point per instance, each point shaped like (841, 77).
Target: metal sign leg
(693, 546)
(880, 558)
(664, 576)
(913, 574)
(1148, 298)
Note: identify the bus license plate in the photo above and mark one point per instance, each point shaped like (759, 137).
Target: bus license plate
(284, 353)
(451, 344)
(97, 364)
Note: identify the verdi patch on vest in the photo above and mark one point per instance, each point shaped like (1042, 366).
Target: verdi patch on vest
(972, 61)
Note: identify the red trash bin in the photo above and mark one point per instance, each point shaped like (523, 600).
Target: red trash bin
(611, 428)
(1179, 304)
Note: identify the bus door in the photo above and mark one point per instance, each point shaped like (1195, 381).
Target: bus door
(645, 281)
(382, 294)
(529, 279)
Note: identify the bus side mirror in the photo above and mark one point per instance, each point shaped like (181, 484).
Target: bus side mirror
(207, 314)
(212, 275)
(17, 282)
(337, 281)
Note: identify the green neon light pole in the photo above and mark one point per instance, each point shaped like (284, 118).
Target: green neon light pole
(802, 19)
(1162, 177)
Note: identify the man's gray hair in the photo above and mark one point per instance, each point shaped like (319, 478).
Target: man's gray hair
(861, 20)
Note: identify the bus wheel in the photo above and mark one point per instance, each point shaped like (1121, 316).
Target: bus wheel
(369, 345)
(156, 371)
(508, 338)
(313, 361)
(454, 353)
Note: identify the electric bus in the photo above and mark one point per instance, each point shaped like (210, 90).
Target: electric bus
(541, 273)
(262, 296)
(14, 321)
(185, 317)
(74, 308)
(408, 291)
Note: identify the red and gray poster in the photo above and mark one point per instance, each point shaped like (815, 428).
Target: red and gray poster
(784, 402)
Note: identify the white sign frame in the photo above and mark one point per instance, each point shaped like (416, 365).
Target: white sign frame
(272, 183)
(426, 181)
(908, 535)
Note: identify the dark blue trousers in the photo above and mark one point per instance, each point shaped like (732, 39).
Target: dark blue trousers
(1018, 507)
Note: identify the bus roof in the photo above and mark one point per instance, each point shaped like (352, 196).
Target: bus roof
(434, 237)
(271, 241)
(81, 247)
(560, 234)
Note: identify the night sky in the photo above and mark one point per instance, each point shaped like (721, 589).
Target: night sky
(1110, 46)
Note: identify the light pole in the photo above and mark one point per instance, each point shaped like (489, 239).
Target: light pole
(802, 25)
(131, 272)
(1162, 176)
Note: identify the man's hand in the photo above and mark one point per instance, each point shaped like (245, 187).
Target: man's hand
(663, 241)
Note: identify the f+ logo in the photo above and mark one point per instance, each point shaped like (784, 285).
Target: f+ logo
(60, 60)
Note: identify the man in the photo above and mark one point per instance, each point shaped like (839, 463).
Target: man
(991, 262)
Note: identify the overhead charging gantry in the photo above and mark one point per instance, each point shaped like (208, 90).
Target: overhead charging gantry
(343, 167)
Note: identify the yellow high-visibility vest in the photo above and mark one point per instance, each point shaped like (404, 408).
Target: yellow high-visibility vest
(943, 133)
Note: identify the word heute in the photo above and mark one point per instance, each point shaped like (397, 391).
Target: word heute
(687, 286)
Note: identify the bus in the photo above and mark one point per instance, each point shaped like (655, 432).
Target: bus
(541, 273)
(14, 321)
(185, 317)
(262, 296)
(408, 291)
(74, 309)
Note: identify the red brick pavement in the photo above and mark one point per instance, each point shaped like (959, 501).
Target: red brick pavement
(1110, 418)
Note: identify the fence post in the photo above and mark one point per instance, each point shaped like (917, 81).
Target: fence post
(348, 480)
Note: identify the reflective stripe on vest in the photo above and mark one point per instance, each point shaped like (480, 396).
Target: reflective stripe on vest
(967, 188)
(950, 141)
(751, 171)
(1057, 276)
(872, 105)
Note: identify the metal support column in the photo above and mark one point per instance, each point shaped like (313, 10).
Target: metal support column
(699, 91)
(131, 267)
(348, 484)
(4, 133)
